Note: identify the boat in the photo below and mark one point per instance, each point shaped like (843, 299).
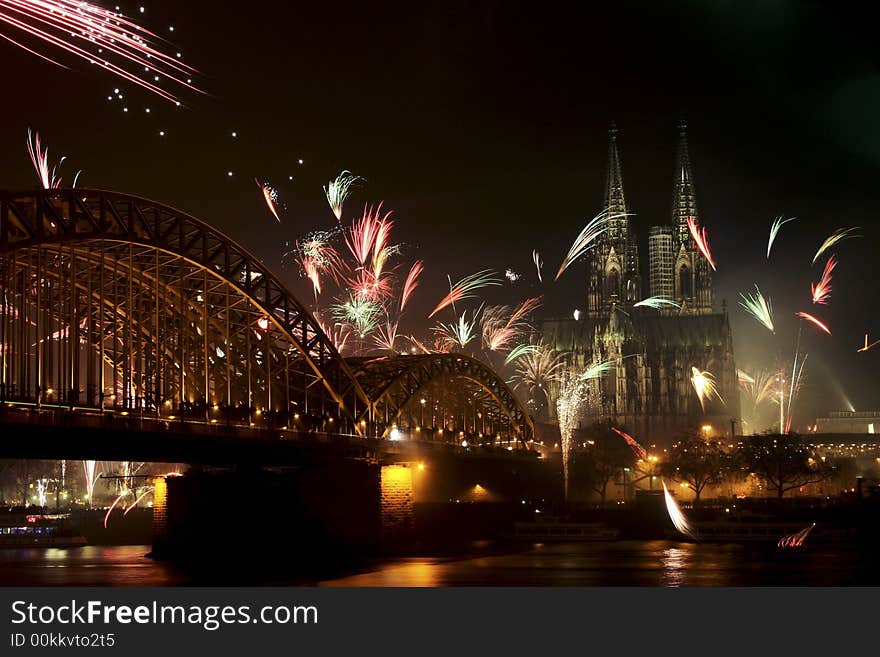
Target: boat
(764, 530)
(554, 530)
(25, 528)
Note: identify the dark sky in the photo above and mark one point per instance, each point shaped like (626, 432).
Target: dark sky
(483, 125)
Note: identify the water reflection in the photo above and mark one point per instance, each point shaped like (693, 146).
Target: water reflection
(675, 565)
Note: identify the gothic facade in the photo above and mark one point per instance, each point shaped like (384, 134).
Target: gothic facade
(655, 353)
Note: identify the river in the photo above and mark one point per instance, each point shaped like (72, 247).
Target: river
(619, 563)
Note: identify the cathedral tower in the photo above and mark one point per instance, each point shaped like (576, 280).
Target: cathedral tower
(614, 263)
(692, 275)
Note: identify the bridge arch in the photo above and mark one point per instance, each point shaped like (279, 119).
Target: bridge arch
(109, 277)
(397, 386)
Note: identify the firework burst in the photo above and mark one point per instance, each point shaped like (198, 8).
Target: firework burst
(539, 263)
(338, 190)
(362, 315)
(778, 223)
(465, 288)
(759, 308)
(411, 282)
(835, 238)
(584, 242)
(657, 303)
(701, 239)
(519, 351)
(797, 539)
(98, 36)
(570, 406)
(822, 290)
(458, 334)
(704, 386)
(539, 368)
(503, 325)
(47, 177)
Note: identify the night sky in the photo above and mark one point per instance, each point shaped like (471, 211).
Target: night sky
(483, 125)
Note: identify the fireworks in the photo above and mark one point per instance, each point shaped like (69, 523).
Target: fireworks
(797, 539)
(458, 334)
(40, 159)
(411, 282)
(270, 196)
(657, 303)
(98, 36)
(539, 368)
(598, 370)
(704, 386)
(778, 223)
(465, 287)
(386, 335)
(836, 237)
(822, 290)
(502, 325)
(367, 236)
(638, 451)
(759, 308)
(815, 321)
(701, 239)
(676, 516)
(573, 396)
(362, 314)
(867, 346)
(521, 350)
(536, 258)
(595, 227)
(511, 275)
(91, 476)
(338, 190)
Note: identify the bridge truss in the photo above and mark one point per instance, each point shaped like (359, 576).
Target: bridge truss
(118, 303)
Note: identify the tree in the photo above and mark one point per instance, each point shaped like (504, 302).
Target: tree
(697, 463)
(606, 454)
(783, 462)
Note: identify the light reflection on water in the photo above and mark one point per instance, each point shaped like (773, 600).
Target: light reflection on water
(619, 563)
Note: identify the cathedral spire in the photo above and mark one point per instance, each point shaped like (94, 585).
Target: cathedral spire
(615, 201)
(684, 199)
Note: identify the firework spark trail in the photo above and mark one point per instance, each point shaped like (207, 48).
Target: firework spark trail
(411, 282)
(778, 223)
(744, 377)
(822, 290)
(573, 396)
(795, 386)
(419, 344)
(676, 516)
(759, 308)
(270, 196)
(598, 370)
(521, 350)
(386, 335)
(460, 333)
(146, 492)
(338, 334)
(119, 497)
(638, 451)
(704, 386)
(536, 258)
(595, 227)
(361, 238)
(361, 314)
(814, 320)
(836, 237)
(539, 369)
(60, 23)
(758, 387)
(502, 325)
(40, 159)
(465, 287)
(701, 239)
(89, 469)
(338, 190)
(657, 303)
(797, 539)
(310, 267)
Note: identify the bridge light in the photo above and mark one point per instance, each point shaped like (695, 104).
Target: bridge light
(464, 443)
(395, 434)
(296, 416)
(421, 466)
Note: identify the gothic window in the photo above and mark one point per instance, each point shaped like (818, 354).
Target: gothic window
(684, 281)
(612, 283)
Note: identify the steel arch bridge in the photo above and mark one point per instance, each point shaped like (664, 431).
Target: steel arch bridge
(114, 302)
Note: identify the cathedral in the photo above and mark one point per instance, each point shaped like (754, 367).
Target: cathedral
(649, 389)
